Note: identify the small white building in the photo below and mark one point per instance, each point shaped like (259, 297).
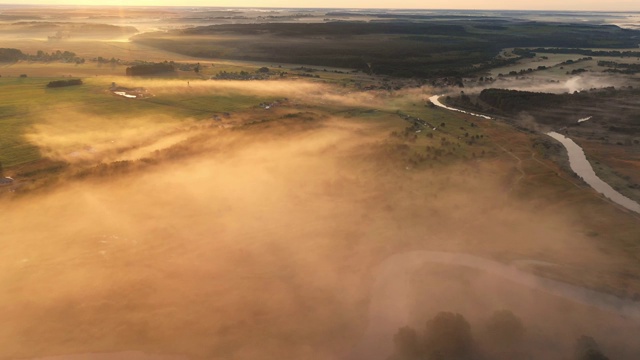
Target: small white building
(6, 181)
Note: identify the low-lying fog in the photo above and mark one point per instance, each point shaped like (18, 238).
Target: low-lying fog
(555, 84)
(261, 242)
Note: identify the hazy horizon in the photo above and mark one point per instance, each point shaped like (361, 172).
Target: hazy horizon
(543, 5)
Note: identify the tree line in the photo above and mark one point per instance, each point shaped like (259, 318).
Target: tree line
(448, 336)
(621, 68)
(609, 53)
(150, 69)
(63, 83)
(13, 55)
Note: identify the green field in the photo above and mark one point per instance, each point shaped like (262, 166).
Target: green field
(27, 101)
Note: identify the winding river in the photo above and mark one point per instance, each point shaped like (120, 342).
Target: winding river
(581, 166)
(577, 160)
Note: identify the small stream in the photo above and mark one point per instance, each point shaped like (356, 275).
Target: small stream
(435, 99)
(124, 93)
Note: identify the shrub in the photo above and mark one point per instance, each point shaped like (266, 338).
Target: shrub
(62, 83)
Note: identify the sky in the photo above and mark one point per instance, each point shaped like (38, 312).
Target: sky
(575, 5)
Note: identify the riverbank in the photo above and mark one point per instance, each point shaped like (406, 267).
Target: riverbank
(581, 166)
(577, 160)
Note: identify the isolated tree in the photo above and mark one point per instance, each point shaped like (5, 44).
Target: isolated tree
(11, 55)
(406, 345)
(587, 348)
(448, 337)
(504, 330)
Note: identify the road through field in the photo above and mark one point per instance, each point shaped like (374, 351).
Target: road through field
(391, 292)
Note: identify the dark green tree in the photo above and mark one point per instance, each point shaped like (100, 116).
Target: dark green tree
(503, 336)
(448, 337)
(11, 55)
(504, 328)
(587, 348)
(406, 345)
